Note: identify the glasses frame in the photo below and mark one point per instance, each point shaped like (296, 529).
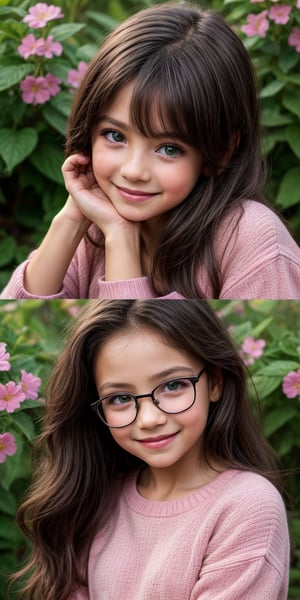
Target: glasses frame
(95, 406)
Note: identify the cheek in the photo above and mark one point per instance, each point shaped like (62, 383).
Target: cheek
(182, 182)
(121, 437)
(101, 163)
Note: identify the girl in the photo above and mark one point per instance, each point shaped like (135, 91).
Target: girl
(154, 481)
(164, 174)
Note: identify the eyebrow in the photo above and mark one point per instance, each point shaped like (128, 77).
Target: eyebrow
(161, 134)
(162, 374)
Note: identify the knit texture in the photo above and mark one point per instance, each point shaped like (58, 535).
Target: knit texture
(226, 541)
(256, 259)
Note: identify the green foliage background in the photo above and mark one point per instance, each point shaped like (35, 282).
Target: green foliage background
(32, 137)
(34, 332)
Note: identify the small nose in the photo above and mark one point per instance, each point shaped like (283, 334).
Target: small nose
(134, 166)
(149, 415)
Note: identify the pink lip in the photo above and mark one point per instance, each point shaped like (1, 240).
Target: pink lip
(159, 441)
(134, 195)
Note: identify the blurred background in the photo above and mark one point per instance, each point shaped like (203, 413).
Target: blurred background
(32, 333)
(33, 114)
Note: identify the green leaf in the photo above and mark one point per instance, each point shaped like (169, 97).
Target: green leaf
(6, 10)
(265, 307)
(48, 160)
(261, 326)
(65, 31)
(62, 103)
(291, 101)
(8, 530)
(9, 76)
(289, 189)
(54, 118)
(8, 503)
(108, 23)
(287, 59)
(293, 138)
(86, 52)
(17, 145)
(272, 118)
(293, 78)
(264, 385)
(272, 137)
(25, 424)
(277, 418)
(7, 250)
(278, 368)
(272, 88)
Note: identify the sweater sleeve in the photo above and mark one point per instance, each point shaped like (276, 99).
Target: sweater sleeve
(248, 555)
(15, 288)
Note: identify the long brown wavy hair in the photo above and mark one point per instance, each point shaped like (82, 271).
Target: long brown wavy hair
(77, 461)
(190, 65)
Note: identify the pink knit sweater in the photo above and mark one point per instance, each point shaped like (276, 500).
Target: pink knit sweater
(226, 541)
(258, 259)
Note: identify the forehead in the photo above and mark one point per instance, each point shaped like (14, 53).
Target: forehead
(139, 353)
(148, 113)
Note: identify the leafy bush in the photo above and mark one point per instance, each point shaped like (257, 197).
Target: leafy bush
(32, 135)
(268, 334)
(29, 341)
(270, 31)
(41, 64)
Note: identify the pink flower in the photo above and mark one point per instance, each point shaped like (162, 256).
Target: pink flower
(294, 38)
(40, 14)
(30, 385)
(52, 84)
(252, 1)
(50, 47)
(252, 349)
(75, 76)
(30, 45)
(298, 4)
(4, 358)
(291, 384)
(34, 90)
(256, 24)
(11, 396)
(7, 446)
(280, 14)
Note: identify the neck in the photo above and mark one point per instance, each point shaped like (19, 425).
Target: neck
(174, 482)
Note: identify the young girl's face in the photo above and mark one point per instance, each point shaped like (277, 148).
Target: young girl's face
(143, 177)
(136, 362)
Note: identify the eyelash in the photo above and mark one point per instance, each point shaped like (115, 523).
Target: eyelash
(106, 132)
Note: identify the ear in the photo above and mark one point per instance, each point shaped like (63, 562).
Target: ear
(215, 385)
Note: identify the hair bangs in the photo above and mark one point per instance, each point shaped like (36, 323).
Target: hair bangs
(160, 105)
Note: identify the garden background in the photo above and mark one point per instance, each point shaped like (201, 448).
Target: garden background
(41, 64)
(32, 333)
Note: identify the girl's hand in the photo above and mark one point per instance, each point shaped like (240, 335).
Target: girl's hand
(88, 199)
(122, 237)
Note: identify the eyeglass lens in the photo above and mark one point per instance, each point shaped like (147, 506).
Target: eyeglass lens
(119, 410)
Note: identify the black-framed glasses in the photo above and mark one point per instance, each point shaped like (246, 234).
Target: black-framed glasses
(174, 396)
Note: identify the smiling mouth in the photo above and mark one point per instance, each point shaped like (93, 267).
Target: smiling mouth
(159, 441)
(135, 195)
(158, 438)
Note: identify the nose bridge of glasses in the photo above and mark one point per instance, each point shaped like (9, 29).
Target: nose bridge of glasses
(142, 396)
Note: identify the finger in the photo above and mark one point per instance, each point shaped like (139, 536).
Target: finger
(75, 162)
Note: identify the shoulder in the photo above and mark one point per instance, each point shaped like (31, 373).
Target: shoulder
(251, 505)
(250, 489)
(250, 513)
(252, 225)
(256, 254)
